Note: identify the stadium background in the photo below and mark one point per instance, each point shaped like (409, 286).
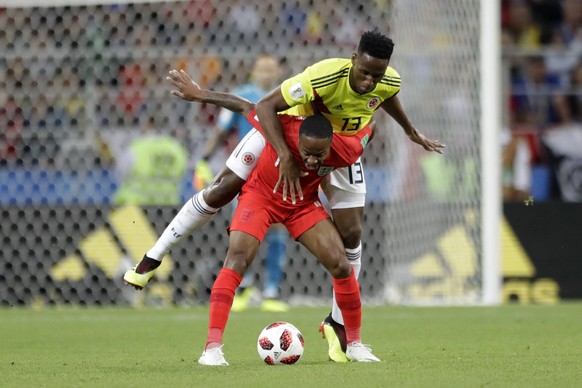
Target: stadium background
(79, 81)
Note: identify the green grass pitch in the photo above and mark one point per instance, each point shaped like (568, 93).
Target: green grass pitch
(508, 346)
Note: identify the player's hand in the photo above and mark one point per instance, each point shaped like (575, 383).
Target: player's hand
(426, 143)
(202, 175)
(289, 174)
(187, 88)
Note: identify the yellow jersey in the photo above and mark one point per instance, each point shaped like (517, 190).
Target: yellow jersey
(325, 88)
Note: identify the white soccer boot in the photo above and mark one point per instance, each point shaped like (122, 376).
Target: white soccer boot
(213, 357)
(359, 352)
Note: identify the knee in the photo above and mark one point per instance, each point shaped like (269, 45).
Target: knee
(342, 268)
(223, 189)
(238, 262)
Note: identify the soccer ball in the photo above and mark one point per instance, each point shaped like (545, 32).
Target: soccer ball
(280, 343)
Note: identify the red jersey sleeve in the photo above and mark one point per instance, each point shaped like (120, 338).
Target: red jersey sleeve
(253, 119)
(347, 149)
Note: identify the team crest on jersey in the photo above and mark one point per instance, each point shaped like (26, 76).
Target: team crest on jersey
(373, 102)
(296, 91)
(248, 158)
(246, 215)
(323, 170)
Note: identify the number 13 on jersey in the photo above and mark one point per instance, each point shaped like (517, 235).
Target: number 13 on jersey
(351, 124)
(356, 174)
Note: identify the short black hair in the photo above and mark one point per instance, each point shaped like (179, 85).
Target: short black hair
(376, 45)
(316, 126)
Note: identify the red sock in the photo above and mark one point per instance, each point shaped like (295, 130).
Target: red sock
(347, 296)
(221, 298)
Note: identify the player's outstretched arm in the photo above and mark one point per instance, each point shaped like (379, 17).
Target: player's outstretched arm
(393, 107)
(190, 91)
(289, 170)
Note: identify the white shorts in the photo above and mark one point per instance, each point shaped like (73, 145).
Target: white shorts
(243, 160)
(345, 187)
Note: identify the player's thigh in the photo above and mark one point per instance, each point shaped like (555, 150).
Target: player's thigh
(243, 160)
(242, 249)
(349, 225)
(346, 187)
(223, 189)
(345, 191)
(324, 242)
(239, 165)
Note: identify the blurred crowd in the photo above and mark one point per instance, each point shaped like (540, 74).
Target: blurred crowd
(67, 74)
(76, 83)
(542, 54)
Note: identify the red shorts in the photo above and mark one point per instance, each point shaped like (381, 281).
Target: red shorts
(255, 214)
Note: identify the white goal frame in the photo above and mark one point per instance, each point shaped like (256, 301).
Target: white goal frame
(491, 150)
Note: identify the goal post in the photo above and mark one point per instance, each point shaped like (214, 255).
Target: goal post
(490, 41)
(449, 58)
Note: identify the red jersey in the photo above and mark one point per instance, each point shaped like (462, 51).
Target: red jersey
(345, 151)
(258, 207)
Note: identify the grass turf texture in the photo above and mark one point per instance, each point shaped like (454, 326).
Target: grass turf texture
(509, 346)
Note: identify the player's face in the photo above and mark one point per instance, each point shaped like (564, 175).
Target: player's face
(366, 72)
(266, 72)
(313, 151)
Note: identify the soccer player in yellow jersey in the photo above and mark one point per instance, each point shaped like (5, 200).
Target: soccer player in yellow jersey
(347, 92)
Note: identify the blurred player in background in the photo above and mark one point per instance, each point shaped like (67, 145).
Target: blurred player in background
(347, 92)
(264, 77)
(151, 169)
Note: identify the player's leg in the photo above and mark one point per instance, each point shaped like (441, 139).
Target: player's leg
(250, 223)
(200, 209)
(346, 194)
(349, 224)
(325, 243)
(246, 292)
(275, 260)
(241, 252)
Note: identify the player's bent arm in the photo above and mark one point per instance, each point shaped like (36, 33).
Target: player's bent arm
(229, 101)
(393, 107)
(267, 109)
(191, 91)
(289, 170)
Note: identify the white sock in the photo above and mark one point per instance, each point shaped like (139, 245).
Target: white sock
(355, 257)
(194, 215)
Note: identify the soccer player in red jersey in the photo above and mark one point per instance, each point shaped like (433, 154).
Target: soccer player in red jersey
(318, 152)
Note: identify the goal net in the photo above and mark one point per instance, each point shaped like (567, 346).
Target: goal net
(433, 228)
(80, 79)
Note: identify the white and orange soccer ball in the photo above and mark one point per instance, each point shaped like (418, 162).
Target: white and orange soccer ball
(280, 343)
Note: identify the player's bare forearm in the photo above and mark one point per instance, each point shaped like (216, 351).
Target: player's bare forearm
(393, 107)
(229, 101)
(289, 170)
(191, 91)
(267, 109)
